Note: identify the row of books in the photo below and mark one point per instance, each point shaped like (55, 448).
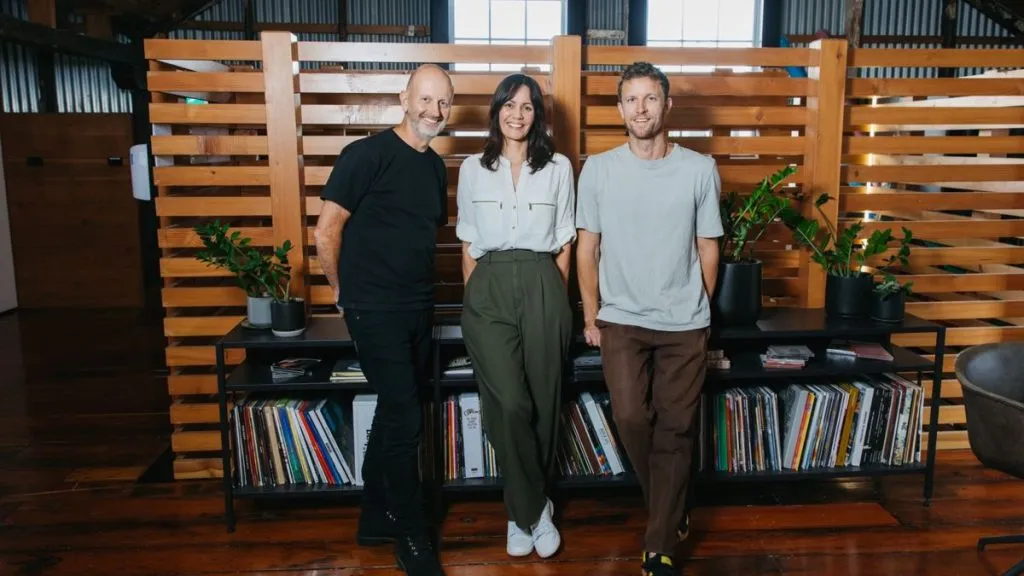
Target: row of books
(281, 441)
(861, 422)
(588, 444)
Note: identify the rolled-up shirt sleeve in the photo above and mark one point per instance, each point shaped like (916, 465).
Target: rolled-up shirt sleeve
(465, 226)
(565, 218)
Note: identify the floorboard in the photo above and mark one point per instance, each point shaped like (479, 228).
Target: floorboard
(78, 433)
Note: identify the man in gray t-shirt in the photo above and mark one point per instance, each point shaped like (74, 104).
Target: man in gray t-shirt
(648, 221)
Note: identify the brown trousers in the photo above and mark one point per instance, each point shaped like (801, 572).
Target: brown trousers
(654, 379)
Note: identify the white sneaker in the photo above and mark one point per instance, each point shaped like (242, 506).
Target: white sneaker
(519, 543)
(546, 539)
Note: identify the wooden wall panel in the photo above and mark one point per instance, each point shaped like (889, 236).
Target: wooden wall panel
(860, 139)
(74, 222)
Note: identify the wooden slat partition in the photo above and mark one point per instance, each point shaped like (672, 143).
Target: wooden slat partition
(257, 153)
(936, 156)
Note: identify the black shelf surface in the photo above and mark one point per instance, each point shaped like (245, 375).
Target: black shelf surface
(838, 472)
(294, 490)
(321, 331)
(471, 484)
(247, 377)
(747, 366)
(782, 322)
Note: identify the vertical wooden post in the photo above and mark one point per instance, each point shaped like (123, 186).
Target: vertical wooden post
(284, 137)
(826, 108)
(566, 82)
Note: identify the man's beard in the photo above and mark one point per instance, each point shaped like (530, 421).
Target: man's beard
(423, 131)
(646, 131)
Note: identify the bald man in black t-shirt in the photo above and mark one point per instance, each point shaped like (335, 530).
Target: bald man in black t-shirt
(376, 238)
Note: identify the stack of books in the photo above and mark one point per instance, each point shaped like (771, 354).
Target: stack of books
(717, 360)
(346, 370)
(849, 349)
(786, 356)
(291, 368)
(459, 366)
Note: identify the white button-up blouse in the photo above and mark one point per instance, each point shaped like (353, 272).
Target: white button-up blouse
(538, 214)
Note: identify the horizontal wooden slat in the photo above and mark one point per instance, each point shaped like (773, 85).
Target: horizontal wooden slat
(438, 53)
(967, 310)
(938, 229)
(197, 468)
(187, 237)
(191, 384)
(771, 145)
(202, 296)
(392, 83)
(195, 441)
(964, 336)
(933, 173)
(952, 415)
(331, 114)
(963, 255)
(179, 356)
(194, 413)
(444, 145)
(623, 55)
(181, 326)
(710, 86)
(863, 87)
(212, 206)
(211, 176)
(952, 440)
(938, 57)
(932, 145)
(167, 113)
(706, 117)
(892, 117)
(209, 145)
(161, 49)
(975, 282)
(881, 200)
(205, 81)
(186, 267)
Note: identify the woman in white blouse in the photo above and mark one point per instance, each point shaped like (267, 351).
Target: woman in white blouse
(516, 222)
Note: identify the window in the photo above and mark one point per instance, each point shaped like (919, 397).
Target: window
(509, 22)
(703, 24)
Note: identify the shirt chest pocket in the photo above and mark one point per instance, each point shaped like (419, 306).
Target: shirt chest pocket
(487, 210)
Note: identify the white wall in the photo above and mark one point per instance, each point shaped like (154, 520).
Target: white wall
(8, 290)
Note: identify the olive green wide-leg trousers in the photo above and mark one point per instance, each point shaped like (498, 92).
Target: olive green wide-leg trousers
(517, 325)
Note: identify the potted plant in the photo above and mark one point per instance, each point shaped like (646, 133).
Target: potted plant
(847, 287)
(288, 313)
(264, 280)
(234, 253)
(888, 299)
(737, 299)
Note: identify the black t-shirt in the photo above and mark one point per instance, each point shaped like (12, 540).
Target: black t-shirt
(398, 197)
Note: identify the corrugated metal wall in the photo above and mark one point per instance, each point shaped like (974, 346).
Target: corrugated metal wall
(888, 18)
(607, 15)
(83, 85)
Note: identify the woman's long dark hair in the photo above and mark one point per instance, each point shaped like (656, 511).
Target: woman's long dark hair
(539, 145)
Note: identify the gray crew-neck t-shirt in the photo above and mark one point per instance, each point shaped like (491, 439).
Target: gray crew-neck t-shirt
(649, 213)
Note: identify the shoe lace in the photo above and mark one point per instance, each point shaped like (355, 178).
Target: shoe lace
(418, 545)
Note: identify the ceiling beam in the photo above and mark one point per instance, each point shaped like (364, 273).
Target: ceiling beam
(1006, 13)
(187, 10)
(54, 40)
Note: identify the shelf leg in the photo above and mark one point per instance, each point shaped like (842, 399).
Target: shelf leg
(933, 426)
(225, 442)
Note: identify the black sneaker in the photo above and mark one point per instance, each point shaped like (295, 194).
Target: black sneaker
(658, 565)
(376, 527)
(683, 530)
(416, 556)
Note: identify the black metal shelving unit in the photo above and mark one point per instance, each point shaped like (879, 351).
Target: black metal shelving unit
(328, 336)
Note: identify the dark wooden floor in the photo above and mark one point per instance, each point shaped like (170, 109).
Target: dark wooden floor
(83, 413)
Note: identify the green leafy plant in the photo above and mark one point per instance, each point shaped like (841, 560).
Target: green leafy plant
(889, 284)
(745, 220)
(255, 271)
(838, 253)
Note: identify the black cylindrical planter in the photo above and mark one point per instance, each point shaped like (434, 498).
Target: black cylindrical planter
(288, 319)
(738, 298)
(887, 307)
(848, 296)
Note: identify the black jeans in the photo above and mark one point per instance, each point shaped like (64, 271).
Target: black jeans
(394, 351)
